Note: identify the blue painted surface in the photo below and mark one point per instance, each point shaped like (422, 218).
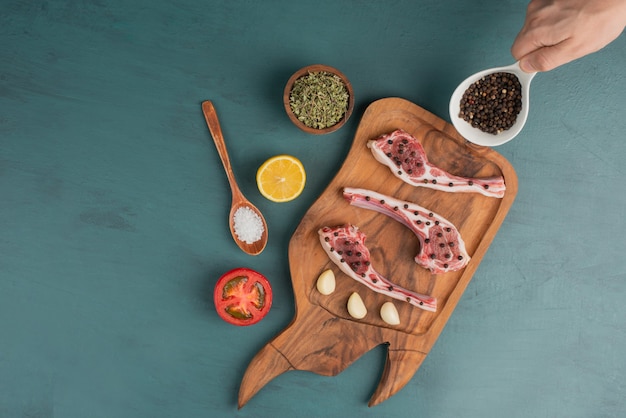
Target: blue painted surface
(113, 208)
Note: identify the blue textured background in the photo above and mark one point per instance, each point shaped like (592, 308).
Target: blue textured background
(113, 208)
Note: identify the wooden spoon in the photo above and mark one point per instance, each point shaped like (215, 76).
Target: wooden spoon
(239, 200)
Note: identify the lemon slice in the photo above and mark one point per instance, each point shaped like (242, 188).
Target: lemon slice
(281, 178)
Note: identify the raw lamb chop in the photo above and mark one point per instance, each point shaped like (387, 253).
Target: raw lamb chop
(345, 245)
(441, 247)
(406, 158)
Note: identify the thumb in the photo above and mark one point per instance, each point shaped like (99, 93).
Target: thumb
(527, 65)
(546, 58)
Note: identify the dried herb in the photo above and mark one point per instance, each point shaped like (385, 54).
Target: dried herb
(319, 99)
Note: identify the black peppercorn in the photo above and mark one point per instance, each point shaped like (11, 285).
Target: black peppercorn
(492, 103)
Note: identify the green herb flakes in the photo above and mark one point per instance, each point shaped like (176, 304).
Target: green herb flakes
(319, 100)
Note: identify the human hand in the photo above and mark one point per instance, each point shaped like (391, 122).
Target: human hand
(559, 31)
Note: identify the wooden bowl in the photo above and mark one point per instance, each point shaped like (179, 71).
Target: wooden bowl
(317, 68)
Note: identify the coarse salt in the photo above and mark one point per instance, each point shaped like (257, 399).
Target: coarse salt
(248, 225)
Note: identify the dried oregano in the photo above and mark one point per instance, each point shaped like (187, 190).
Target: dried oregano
(319, 99)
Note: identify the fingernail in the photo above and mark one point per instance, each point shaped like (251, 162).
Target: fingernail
(527, 67)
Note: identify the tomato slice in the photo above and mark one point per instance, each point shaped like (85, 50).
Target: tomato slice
(242, 296)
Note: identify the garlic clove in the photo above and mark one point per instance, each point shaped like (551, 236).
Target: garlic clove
(356, 307)
(326, 282)
(389, 313)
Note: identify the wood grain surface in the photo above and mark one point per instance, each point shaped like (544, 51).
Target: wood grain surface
(322, 337)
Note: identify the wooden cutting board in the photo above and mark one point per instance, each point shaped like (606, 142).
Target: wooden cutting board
(323, 337)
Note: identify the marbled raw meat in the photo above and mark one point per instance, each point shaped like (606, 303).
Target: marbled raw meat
(407, 160)
(441, 246)
(345, 245)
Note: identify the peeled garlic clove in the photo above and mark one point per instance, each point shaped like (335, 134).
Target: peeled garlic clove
(326, 282)
(389, 313)
(356, 307)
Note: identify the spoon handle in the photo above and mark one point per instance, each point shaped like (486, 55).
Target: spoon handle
(216, 132)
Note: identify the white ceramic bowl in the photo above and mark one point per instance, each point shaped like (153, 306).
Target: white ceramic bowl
(477, 136)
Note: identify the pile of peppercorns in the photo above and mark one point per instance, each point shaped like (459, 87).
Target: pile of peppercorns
(492, 103)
